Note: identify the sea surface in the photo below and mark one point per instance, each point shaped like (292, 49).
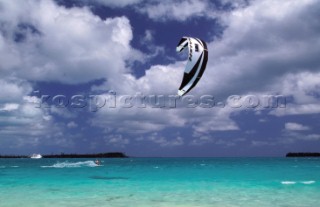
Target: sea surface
(165, 182)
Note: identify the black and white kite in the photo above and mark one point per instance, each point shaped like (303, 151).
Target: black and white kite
(197, 62)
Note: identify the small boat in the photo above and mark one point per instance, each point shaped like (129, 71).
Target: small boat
(97, 162)
(36, 156)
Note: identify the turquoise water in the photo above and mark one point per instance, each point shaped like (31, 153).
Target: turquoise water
(165, 182)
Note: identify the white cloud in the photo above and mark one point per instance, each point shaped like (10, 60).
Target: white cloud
(62, 112)
(148, 36)
(136, 120)
(200, 139)
(9, 107)
(13, 90)
(251, 55)
(162, 141)
(215, 119)
(258, 143)
(159, 79)
(24, 124)
(295, 127)
(262, 49)
(65, 45)
(161, 10)
(296, 109)
(267, 46)
(259, 45)
(176, 10)
(312, 137)
(116, 140)
(154, 50)
(293, 136)
(259, 52)
(72, 124)
(41, 41)
(303, 87)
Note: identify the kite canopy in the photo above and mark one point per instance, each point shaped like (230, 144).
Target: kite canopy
(197, 62)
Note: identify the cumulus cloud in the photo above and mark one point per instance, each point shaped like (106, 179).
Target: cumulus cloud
(293, 136)
(303, 87)
(295, 127)
(262, 50)
(9, 107)
(172, 10)
(25, 127)
(176, 10)
(23, 123)
(13, 90)
(53, 43)
(219, 120)
(116, 140)
(295, 109)
(162, 141)
(267, 46)
(261, 44)
(161, 10)
(200, 139)
(41, 41)
(136, 120)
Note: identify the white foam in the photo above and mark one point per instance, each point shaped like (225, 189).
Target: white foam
(72, 164)
(14, 166)
(288, 182)
(308, 182)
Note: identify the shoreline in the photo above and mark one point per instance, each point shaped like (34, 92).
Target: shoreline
(303, 154)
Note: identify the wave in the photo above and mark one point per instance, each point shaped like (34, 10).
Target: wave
(308, 182)
(288, 182)
(294, 182)
(14, 166)
(2, 166)
(72, 164)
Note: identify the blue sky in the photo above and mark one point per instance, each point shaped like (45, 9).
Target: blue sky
(90, 48)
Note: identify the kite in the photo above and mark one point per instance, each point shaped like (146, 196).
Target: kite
(197, 62)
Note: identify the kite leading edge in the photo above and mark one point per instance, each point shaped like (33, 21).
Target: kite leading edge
(197, 62)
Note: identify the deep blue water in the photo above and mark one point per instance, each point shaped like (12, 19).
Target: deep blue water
(166, 182)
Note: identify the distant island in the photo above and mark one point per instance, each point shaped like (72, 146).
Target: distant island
(62, 155)
(303, 154)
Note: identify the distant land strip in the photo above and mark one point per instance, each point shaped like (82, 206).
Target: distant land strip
(303, 154)
(62, 155)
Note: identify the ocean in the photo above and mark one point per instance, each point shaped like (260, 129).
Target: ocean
(165, 182)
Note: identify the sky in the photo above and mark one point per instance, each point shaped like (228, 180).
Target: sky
(82, 76)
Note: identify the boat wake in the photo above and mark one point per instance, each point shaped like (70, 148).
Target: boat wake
(72, 164)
